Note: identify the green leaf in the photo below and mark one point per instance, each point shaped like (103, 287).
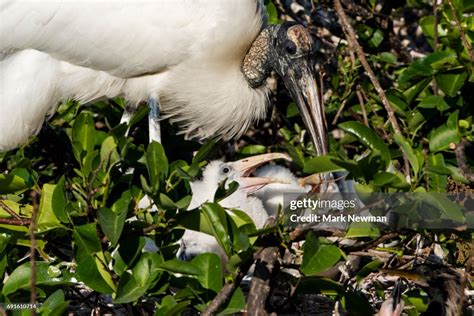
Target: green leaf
(442, 137)
(292, 110)
(83, 132)
(129, 250)
(370, 267)
(134, 285)
(362, 229)
(316, 285)
(236, 304)
(439, 59)
(436, 182)
(440, 201)
(53, 200)
(55, 305)
(376, 39)
(225, 189)
(88, 271)
(296, 155)
(86, 240)
(108, 152)
(434, 101)
(157, 163)
(417, 69)
(182, 267)
(317, 257)
(408, 151)
(211, 271)
(216, 217)
(451, 82)
(253, 150)
(204, 151)
(394, 180)
(427, 25)
(45, 275)
(397, 102)
(112, 220)
(369, 138)
(18, 181)
(413, 90)
(320, 164)
(111, 223)
(272, 14)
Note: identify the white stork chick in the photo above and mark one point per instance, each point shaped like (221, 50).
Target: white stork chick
(273, 194)
(204, 64)
(215, 172)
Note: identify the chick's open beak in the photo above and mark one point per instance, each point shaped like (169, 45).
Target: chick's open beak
(245, 167)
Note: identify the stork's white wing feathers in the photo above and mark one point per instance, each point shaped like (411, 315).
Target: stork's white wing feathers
(186, 53)
(123, 38)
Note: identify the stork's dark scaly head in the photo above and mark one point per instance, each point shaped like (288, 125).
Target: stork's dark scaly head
(288, 49)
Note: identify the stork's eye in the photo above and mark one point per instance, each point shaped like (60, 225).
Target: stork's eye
(290, 47)
(225, 170)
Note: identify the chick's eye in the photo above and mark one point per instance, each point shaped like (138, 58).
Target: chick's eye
(290, 47)
(225, 170)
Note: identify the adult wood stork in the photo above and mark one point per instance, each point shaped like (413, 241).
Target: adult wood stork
(204, 64)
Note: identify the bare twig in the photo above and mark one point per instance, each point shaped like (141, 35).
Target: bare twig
(220, 299)
(18, 220)
(8, 221)
(379, 254)
(351, 37)
(339, 111)
(369, 244)
(227, 290)
(435, 39)
(10, 211)
(267, 260)
(150, 228)
(34, 198)
(362, 107)
(464, 40)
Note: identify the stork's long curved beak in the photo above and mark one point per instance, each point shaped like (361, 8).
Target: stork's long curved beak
(410, 275)
(301, 82)
(245, 167)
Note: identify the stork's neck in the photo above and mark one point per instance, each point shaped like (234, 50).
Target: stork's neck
(256, 64)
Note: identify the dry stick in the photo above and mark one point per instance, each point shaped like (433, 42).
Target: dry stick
(360, 52)
(227, 290)
(260, 284)
(339, 111)
(10, 211)
(34, 198)
(435, 39)
(18, 219)
(351, 37)
(369, 244)
(362, 107)
(461, 31)
(379, 254)
(220, 299)
(9, 221)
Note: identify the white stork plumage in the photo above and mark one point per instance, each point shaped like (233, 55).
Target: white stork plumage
(240, 171)
(203, 63)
